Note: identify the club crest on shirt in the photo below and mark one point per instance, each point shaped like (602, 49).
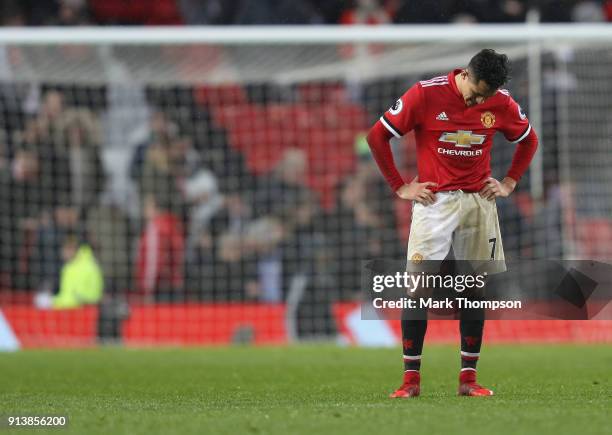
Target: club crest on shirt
(397, 107)
(416, 258)
(487, 119)
(521, 113)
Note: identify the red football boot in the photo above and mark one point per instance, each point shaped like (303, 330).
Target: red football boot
(469, 387)
(411, 386)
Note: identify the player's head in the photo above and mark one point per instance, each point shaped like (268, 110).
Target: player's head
(484, 75)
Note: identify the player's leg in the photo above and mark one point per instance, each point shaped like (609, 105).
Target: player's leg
(477, 238)
(430, 239)
(471, 326)
(414, 326)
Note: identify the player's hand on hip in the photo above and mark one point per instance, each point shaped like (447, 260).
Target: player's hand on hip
(419, 192)
(494, 188)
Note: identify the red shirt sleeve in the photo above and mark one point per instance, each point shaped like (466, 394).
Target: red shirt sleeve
(402, 117)
(378, 140)
(517, 129)
(523, 155)
(515, 125)
(406, 112)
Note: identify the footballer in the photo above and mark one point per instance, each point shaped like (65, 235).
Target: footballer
(454, 118)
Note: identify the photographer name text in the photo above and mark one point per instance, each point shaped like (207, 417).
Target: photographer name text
(447, 303)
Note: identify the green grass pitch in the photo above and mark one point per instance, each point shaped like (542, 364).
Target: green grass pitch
(544, 389)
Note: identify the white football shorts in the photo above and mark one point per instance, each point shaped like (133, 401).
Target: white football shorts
(459, 219)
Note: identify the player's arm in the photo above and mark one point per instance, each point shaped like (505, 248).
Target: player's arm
(397, 121)
(518, 130)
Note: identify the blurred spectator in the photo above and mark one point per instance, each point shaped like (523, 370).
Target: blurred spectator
(235, 277)
(512, 11)
(307, 268)
(346, 237)
(81, 280)
(487, 11)
(376, 212)
(217, 154)
(12, 13)
(202, 194)
(166, 153)
(185, 159)
(548, 223)
(212, 12)
(463, 17)
(125, 12)
(416, 12)
(80, 137)
(365, 12)
(47, 256)
(263, 238)
(329, 10)
(158, 175)
(36, 12)
(70, 177)
(54, 12)
(279, 193)
(276, 12)
(555, 11)
(160, 257)
(515, 226)
(72, 13)
(201, 267)
(607, 8)
(234, 217)
(21, 187)
(11, 97)
(159, 126)
(36, 187)
(588, 11)
(109, 231)
(44, 127)
(220, 264)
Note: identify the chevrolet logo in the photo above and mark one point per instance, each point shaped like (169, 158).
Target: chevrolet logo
(463, 138)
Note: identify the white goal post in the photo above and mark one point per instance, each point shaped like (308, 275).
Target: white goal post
(311, 34)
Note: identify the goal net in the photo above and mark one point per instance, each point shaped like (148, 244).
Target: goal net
(196, 186)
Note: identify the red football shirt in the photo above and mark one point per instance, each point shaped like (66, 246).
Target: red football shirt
(454, 140)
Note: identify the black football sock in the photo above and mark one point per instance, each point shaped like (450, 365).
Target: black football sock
(414, 326)
(471, 326)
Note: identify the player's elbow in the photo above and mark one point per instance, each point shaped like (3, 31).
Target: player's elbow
(377, 136)
(531, 141)
(533, 136)
(371, 137)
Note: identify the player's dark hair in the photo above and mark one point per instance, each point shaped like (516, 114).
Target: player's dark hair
(491, 67)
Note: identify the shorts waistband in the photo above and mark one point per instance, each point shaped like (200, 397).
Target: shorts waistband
(457, 191)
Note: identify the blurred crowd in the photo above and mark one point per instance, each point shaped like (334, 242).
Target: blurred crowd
(249, 12)
(203, 225)
(206, 227)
